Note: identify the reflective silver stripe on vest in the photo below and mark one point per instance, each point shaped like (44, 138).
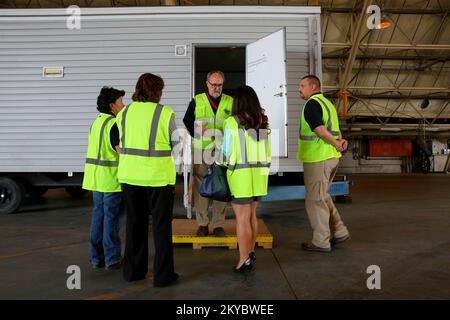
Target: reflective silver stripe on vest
(154, 128)
(152, 139)
(103, 163)
(101, 135)
(243, 146)
(249, 165)
(209, 120)
(146, 153)
(98, 162)
(329, 124)
(334, 133)
(308, 138)
(242, 142)
(124, 116)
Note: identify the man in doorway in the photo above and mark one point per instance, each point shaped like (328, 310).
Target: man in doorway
(204, 120)
(319, 147)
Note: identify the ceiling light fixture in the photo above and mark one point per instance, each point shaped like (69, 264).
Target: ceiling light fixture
(384, 25)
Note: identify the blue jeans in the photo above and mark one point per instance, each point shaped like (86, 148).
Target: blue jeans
(105, 245)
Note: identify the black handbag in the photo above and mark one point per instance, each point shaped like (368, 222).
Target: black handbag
(215, 185)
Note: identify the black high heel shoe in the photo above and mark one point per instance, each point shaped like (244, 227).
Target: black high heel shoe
(246, 266)
(252, 256)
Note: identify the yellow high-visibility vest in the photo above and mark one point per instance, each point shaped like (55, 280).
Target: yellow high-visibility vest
(100, 170)
(205, 115)
(145, 148)
(311, 148)
(249, 161)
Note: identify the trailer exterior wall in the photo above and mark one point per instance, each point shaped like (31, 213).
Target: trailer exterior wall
(44, 122)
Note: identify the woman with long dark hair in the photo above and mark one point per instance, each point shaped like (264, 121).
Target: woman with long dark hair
(246, 147)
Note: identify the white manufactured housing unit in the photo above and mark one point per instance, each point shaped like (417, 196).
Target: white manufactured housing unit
(53, 64)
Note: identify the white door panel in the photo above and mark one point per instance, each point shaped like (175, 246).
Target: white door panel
(266, 74)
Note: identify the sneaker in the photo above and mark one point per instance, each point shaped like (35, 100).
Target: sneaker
(219, 232)
(310, 247)
(202, 231)
(338, 240)
(114, 266)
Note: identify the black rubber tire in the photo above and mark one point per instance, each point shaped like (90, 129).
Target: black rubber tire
(36, 192)
(12, 194)
(76, 192)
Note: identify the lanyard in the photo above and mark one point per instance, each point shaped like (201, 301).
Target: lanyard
(211, 102)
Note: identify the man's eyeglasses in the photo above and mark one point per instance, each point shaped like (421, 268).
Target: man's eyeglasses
(216, 85)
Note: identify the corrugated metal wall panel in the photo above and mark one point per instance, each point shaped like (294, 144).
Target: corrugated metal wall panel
(44, 122)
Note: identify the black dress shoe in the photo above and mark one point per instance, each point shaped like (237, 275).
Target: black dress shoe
(174, 278)
(202, 231)
(246, 266)
(252, 256)
(219, 232)
(338, 240)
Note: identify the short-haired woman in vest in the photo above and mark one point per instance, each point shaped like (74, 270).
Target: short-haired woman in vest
(246, 146)
(100, 176)
(147, 173)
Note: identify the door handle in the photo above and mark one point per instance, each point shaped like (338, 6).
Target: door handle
(282, 93)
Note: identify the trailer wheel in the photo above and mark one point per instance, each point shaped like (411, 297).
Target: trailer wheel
(12, 194)
(76, 192)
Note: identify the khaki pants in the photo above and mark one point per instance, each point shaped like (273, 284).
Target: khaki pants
(323, 215)
(201, 204)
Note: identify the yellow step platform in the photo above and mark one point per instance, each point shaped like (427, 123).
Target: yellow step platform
(183, 231)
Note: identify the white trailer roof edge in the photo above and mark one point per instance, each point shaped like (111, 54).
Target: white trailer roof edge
(165, 10)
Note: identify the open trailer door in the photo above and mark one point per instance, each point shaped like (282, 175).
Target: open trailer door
(266, 73)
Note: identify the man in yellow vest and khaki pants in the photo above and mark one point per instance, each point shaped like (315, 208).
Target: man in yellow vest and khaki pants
(319, 148)
(204, 120)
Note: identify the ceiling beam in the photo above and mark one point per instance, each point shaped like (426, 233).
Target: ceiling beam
(397, 46)
(169, 2)
(372, 67)
(389, 10)
(387, 57)
(440, 112)
(8, 4)
(389, 96)
(354, 47)
(407, 89)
